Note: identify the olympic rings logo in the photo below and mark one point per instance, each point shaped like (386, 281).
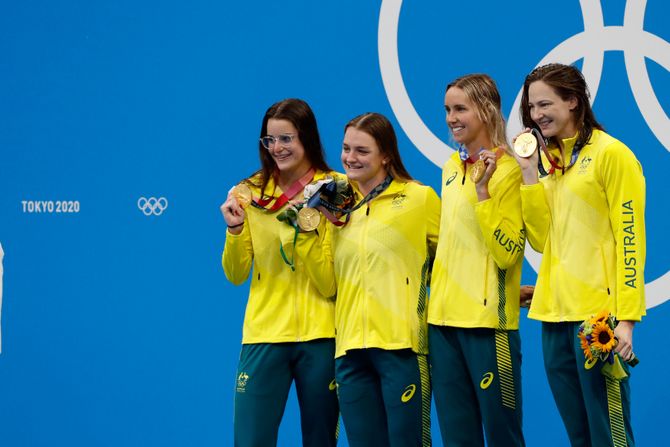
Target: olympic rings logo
(591, 44)
(152, 205)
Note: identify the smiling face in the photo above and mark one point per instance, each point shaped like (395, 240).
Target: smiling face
(553, 115)
(362, 159)
(463, 120)
(290, 158)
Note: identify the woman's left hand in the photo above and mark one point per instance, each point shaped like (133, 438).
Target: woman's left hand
(482, 186)
(490, 160)
(526, 295)
(624, 334)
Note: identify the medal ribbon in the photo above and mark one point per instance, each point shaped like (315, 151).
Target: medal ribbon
(290, 262)
(553, 161)
(293, 190)
(328, 209)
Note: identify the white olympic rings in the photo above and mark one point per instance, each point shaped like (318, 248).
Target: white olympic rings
(152, 205)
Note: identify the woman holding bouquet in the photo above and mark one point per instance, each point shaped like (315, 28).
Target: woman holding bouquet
(289, 331)
(473, 316)
(585, 213)
(379, 263)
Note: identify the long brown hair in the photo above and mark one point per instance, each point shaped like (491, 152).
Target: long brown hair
(380, 128)
(301, 116)
(568, 82)
(482, 91)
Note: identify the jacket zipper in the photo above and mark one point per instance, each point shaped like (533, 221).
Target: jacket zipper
(364, 269)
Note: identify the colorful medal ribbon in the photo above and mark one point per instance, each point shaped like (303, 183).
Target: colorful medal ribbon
(327, 208)
(293, 190)
(553, 161)
(290, 262)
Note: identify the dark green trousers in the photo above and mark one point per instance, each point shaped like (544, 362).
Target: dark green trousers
(476, 378)
(595, 410)
(384, 397)
(264, 377)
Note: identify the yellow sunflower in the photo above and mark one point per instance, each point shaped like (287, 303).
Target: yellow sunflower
(584, 344)
(601, 317)
(603, 337)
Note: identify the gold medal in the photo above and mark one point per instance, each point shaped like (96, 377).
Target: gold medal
(308, 218)
(477, 171)
(525, 145)
(242, 194)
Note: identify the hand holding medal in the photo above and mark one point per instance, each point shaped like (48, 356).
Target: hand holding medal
(242, 194)
(327, 196)
(477, 171)
(526, 154)
(300, 215)
(525, 144)
(239, 197)
(482, 170)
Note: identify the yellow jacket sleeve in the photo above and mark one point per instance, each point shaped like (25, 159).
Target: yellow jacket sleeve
(536, 215)
(314, 248)
(501, 222)
(433, 210)
(624, 186)
(238, 255)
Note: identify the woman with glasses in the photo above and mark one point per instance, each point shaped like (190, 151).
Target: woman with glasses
(378, 262)
(288, 333)
(585, 212)
(473, 316)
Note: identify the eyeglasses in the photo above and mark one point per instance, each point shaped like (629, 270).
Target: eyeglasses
(269, 141)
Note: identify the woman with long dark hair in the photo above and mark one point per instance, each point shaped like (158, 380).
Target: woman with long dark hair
(289, 331)
(583, 205)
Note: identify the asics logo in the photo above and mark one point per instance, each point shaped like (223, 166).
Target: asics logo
(152, 205)
(451, 179)
(632, 39)
(332, 385)
(408, 394)
(486, 381)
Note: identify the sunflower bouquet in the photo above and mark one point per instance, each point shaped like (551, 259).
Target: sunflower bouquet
(597, 340)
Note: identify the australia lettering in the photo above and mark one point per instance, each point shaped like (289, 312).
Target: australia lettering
(510, 245)
(629, 244)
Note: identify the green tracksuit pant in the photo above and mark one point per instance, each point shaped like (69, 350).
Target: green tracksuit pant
(384, 397)
(264, 377)
(476, 378)
(594, 409)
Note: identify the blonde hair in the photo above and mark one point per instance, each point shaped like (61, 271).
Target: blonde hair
(482, 91)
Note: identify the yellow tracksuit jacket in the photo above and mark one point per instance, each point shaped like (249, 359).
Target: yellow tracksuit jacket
(477, 269)
(589, 225)
(283, 305)
(379, 264)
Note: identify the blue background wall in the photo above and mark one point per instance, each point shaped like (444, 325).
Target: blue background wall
(119, 329)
